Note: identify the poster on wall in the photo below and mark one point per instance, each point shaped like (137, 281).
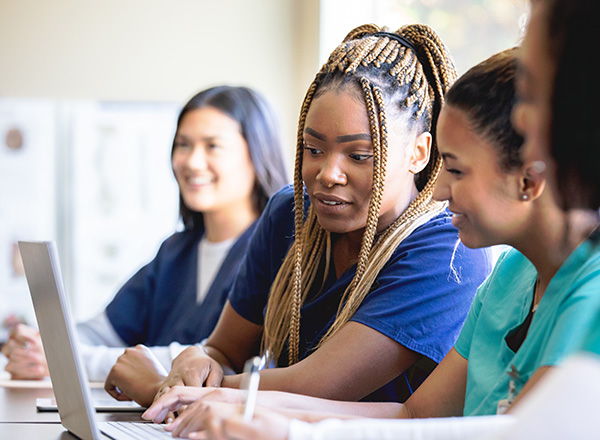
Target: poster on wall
(27, 196)
(95, 177)
(122, 196)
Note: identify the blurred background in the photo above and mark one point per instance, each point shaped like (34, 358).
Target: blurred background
(90, 91)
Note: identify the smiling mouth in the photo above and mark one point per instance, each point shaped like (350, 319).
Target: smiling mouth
(200, 181)
(458, 219)
(333, 203)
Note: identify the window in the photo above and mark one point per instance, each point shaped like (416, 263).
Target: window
(472, 29)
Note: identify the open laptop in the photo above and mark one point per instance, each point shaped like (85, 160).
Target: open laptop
(59, 338)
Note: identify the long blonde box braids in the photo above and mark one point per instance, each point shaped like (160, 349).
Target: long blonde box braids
(430, 75)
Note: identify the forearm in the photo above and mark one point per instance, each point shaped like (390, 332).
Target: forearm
(282, 380)
(313, 409)
(447, 428)
(301, 379)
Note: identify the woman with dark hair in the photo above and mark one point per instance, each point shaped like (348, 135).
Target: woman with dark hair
(227, 160)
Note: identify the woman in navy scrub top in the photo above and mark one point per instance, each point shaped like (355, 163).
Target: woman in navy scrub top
(228, 161)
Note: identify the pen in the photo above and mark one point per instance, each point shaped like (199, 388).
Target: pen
(250, 384)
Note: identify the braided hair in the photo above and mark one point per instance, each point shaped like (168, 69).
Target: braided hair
(407, 73)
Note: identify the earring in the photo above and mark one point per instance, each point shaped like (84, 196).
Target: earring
(524, 197)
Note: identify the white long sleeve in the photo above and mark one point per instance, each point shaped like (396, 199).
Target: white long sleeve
(100, 346)
(449, 428)
(562, 405)
(99, 331)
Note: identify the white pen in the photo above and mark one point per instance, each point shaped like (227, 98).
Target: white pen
(250, 384)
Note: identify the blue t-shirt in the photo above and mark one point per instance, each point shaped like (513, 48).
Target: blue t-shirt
(502, 303)
(158, 305)
(420, 298)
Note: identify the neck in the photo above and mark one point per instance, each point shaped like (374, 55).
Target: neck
(345, 249)
(403, 202)
(229, 222)
(552, 238)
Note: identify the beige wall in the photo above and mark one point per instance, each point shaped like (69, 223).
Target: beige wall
(128, 50)
(159, 50)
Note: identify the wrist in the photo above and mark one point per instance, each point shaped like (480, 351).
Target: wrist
(231, 381)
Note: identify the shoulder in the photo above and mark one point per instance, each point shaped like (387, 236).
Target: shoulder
(278, 217)
(180, 241)
(512, 274)
(438, 238)
(281, 204)
(510, 260)
(580, 273)
(437, 228)
(585, 260)
(433, 250)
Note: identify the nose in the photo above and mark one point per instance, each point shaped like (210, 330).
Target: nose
(331, 172)
(197, 159)
(441, 191)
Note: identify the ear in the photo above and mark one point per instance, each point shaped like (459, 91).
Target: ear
(532, 181)
(420, 153)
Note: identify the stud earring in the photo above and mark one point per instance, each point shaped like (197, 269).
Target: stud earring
(524, 197)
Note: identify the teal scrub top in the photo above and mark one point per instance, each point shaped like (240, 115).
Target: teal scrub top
(592, 341)
(563, 319)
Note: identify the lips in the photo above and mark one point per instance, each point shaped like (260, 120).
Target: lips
(330, 199)
(457, 219)
(329, 203)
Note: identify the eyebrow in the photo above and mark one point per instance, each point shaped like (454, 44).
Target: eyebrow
(446, 156)
(353, 137)
(204, 138)
(315, 133)
(340, 139)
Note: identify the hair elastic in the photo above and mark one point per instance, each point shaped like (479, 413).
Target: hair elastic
(399, 38)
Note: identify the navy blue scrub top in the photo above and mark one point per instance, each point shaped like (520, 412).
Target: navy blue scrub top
(420, 298)
(158, 306)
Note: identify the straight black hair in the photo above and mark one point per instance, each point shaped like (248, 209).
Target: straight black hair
(259, 129)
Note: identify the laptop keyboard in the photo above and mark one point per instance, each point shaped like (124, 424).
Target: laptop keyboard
(134, 430)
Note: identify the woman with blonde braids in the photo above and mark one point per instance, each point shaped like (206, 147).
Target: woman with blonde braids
(364, 285)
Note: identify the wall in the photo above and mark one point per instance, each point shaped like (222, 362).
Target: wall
(71, 54)
(157, 50)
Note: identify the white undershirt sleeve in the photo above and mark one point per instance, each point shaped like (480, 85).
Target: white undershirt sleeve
(100, 346)
(99, 331)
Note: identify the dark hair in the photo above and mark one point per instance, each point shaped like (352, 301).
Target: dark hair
(572, 35)
(486, 94)
(259, 129)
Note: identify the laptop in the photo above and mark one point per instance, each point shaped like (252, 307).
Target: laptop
(59, 338)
